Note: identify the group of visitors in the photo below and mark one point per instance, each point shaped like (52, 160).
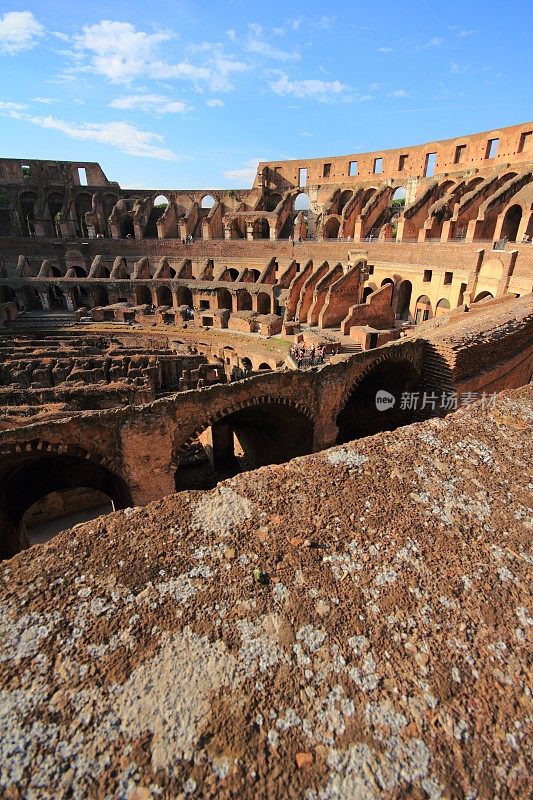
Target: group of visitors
(307, 356)
(188, 239)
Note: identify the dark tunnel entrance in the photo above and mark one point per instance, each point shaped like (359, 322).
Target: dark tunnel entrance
(267, 433)
(41, 495)
(361, 416)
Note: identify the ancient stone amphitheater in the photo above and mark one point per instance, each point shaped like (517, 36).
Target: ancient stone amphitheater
(265, 479)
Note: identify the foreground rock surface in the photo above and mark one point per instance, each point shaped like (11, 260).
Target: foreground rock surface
(351, 624)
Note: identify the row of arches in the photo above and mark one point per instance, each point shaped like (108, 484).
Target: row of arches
(268, 430)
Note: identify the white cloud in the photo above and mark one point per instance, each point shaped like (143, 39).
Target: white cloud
(121, 53)
(214, 103)
(384, 50)
(320, 90)
(19, 31)
(47, 101)
(463, 34)
(6, 106)
(435, 41)
(119, 135)
(255, 43)
(399, 93)
(232, 35)
(150, 104)
(305, 134)
(245, 174)
(323, 23)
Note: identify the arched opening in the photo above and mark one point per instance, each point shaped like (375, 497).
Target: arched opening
(101, 297)
(484, 296)
(251, 276)
(246, 364)
(398, 199)
(33, 482)
(367, 291)
(81, 272)
(511, 223)
(344, 198)
(109, 202)
(261, 229)
(164, 296)
(143, 296)
(224, 299)
(184, 296)
(244, 300)
(127, 229)
(55, 272)
(7, 295)
(229, 275)
(404, 299)
(264, 367)
(442, 307)
(208, 201)
(27, 209)
(423, 310)
(301, 202)
(55, 206)
(331, 228)
(272, 201)
(263, 303)
(364, 415)
(158, 209)
(84, 204)
(59, 511)
(266, 433)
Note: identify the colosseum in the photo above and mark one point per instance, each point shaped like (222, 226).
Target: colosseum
(265, 478)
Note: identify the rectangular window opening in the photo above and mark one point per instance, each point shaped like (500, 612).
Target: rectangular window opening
(428, 274)
(459, 153)
(82, 175)
(492, 148)
(402, 163)
(370, 269)
(352, 169)
(525, 141)
(204, 305)
(326, 172)
(448, 278)
(429, 169)
(26, 171)
(302, 177)
(378, 166)
(53, 172)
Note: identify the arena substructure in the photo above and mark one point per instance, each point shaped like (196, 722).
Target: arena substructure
(149, 347)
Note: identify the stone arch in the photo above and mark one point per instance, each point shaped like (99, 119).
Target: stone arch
(127, 229)
(511, 222)
(143, 295)
(184, 296)
(83, 205)
(359, 416)
(272, 201)
(261, 229)
(27, 201)
(423, 309)
(244, 300)
(101, 296)
(31, 470)
(301, 202)
(442, 307)
(344, 198)
(160, 205)
(484, 296)
(54, 204)
(331, 228)
(224, 299)
(164, 296)
(229, 275)
(367, 291)
(207, 201)
(263, 366)
(263, 303)
(404, 299)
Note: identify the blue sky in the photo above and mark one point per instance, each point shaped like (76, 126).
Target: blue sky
(176, 93)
